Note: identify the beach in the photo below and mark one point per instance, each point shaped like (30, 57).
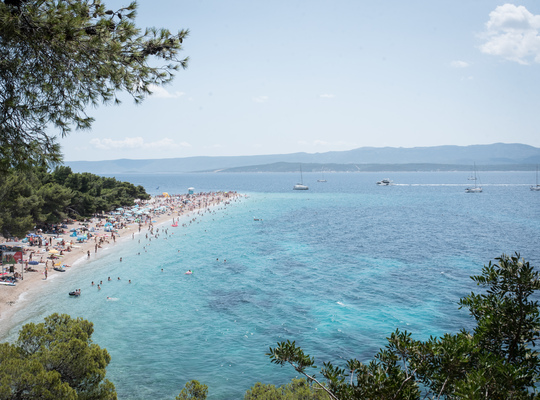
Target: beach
(121, 225)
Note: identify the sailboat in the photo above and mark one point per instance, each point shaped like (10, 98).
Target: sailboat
(537, 187)
(300, 186)
(475, 188)
(322, 177)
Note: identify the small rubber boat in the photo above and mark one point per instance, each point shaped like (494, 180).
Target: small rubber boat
(59, 269)
(75, 293)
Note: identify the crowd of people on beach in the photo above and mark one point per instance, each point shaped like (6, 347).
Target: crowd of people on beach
(51, 249)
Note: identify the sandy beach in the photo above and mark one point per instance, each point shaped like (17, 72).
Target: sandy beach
(159, 210)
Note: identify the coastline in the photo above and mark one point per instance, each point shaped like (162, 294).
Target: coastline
(28, 289)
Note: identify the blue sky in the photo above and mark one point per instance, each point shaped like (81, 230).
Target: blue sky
(285, 76)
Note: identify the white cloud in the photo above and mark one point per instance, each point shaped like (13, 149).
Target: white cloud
(320, 143)
(459, 64)
(324, 143)
(260, 99)
(327, 96)
(162, 93)
(512, 32)
(136, 143)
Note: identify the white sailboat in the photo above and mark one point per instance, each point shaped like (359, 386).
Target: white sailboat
(300, 186)
(475, 188)
(322, 177)
(537, 187)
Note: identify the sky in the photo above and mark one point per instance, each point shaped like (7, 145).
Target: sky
(286, 76)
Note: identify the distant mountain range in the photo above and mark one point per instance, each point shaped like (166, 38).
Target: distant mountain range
(498, 156)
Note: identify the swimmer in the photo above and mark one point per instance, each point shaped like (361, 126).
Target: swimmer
(129, 281)
(92, 283)
(109, 278)
(118, 278)
(120, 259)
(189, 272)
(99, 288)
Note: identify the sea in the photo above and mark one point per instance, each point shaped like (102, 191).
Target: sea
(336, 268)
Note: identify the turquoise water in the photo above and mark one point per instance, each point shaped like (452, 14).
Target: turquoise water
(336, 268)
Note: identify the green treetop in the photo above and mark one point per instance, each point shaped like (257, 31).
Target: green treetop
(59, 56)
(55, 360)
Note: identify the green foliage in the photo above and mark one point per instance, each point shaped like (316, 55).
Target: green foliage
(20, 206)
(496, 361)
(34, 197)
(56, 198)
(193, 391)
(59, 57)
(55, 359)
(297, 389)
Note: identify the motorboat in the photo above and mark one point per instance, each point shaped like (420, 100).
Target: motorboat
(385, 182)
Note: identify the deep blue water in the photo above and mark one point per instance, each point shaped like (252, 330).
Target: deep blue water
(336, 268)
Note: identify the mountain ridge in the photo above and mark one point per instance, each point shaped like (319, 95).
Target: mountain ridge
(497, 155)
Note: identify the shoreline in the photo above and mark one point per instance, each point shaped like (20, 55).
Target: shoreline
(27, 290)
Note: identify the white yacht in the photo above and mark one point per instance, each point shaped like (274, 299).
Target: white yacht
(300, 186)
(322, 177)
(475, 188)
(536, 188)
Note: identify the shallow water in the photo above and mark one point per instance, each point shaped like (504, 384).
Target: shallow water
(336, 268)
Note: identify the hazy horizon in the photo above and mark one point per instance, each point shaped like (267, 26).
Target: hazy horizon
(287, 77)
